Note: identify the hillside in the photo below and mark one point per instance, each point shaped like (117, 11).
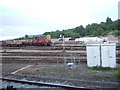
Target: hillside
(94, 29)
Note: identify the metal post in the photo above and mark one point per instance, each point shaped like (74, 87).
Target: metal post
(63, 43)
(63, 50)
(79, 60)
(71, 58)
(74, 59)
(57, 60)
(100, 57)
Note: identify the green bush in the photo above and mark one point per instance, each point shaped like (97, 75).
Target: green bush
(118, 73)
(102, 68)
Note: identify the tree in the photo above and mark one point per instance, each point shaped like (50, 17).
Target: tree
(100, 31)
(46, 33)
(26, 36)
(108, 20)
(93, 29)
(103, 25)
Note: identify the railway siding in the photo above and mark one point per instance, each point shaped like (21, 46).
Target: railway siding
(80, 77)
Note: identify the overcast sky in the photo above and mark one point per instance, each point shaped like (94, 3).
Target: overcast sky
(20, 17)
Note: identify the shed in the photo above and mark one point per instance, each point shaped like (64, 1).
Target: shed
(93, 55)
(101, 55)
(108, 55)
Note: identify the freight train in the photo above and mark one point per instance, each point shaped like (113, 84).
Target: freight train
(41, 40)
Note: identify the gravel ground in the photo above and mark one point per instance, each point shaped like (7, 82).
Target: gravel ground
(80, 76)
(21, 86)
(80, 71)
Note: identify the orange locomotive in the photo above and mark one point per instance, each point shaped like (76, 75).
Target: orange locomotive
(44, 40)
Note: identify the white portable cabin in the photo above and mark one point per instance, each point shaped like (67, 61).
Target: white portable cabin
(101, 55)
(108, 53)
(93, 55)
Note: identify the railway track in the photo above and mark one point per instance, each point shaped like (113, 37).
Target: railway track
(52, 52)
(46, 81)
(35, 56)
(47, 48)
(65, 87)
(49, 59)
(50, 47)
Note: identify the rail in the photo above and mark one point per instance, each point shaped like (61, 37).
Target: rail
(66, 87)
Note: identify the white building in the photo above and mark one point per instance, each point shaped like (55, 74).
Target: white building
(89, 39)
